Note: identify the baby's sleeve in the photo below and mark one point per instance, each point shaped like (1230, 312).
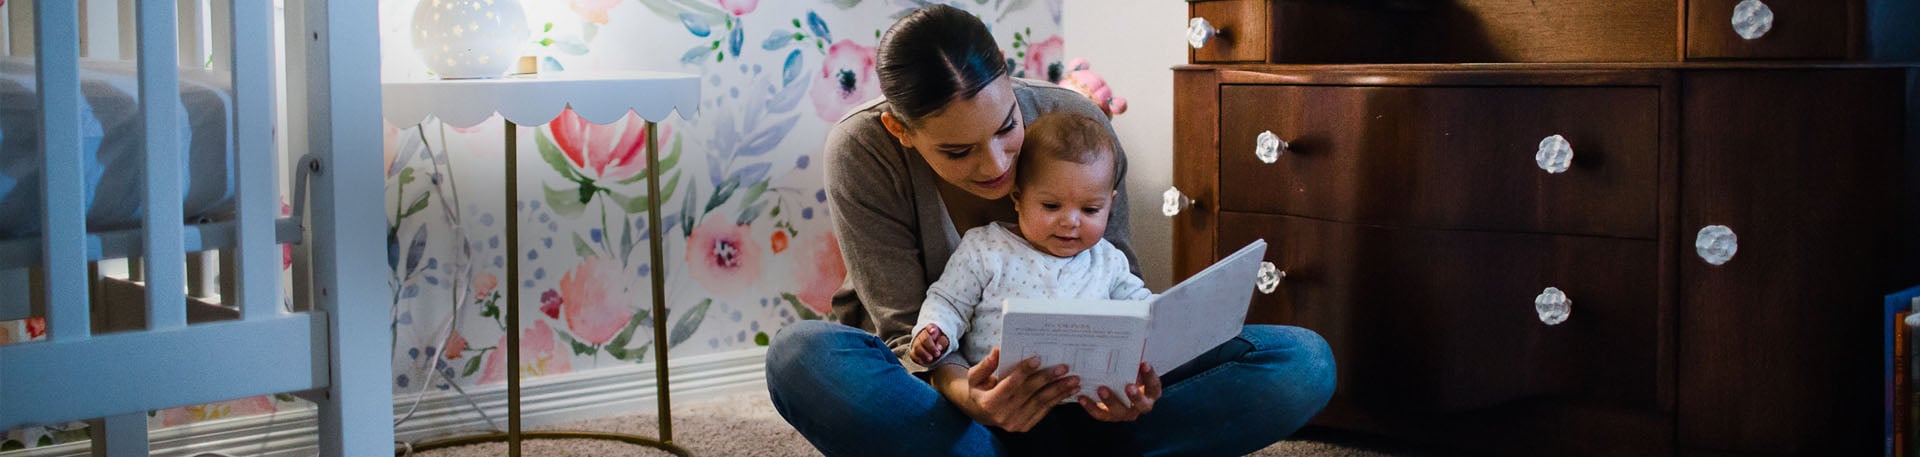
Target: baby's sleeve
(1126, 285)
(951, 299)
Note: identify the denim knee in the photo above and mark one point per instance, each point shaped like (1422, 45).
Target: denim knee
(1304, 352)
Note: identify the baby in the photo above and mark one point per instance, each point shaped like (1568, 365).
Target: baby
(1063, 192)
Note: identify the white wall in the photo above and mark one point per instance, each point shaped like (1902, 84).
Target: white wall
(1133, 44)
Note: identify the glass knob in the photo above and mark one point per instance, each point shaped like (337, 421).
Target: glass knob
(1751, 19)
(1172, 202)
(1199, 32)
(1716, 244)
(1269, 277)
(1268, 147)
(1553, 306)
(1555, 154)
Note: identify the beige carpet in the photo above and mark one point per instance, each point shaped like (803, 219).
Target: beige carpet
(745, 424)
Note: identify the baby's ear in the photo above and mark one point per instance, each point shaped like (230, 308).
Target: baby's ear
(1015, 195)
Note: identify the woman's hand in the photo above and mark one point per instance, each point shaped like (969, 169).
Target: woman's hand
(1014, 403)
(1140, 399)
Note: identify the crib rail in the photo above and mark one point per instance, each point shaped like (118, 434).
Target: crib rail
(330, 69)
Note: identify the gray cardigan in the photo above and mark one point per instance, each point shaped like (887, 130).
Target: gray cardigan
(894, 230)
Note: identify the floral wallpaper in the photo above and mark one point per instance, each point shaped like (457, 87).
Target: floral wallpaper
(749, 245)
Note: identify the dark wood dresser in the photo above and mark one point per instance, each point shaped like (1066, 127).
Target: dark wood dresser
(1431, 212)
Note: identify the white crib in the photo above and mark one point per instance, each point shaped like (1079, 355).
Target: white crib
(314, 97)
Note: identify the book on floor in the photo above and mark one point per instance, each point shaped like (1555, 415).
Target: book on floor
(1104, 341)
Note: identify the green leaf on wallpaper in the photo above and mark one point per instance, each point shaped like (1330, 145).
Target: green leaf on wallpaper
(12, 445)
(581, 247)
(618, 344)
(750, 213)
(796, 23)
(473, 366)
(547, 28)
(666, 164)
(418, 204)
(406, 176)
(753, 193)
(544, 42)
(631, 355)
(626, 240)
(761, 339)
(683, 329)
(555, 157)
(800, 308)
(686, 212)
(636, 204)
(724, 192)
(579, 348)
(565, 203)
(776, 212)
(1017, 5)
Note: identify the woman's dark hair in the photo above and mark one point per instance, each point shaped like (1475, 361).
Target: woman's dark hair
(935, 55)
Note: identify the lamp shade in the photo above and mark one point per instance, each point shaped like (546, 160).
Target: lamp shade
(465, 39)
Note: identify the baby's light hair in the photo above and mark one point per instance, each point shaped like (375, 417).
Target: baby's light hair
(1066, 137)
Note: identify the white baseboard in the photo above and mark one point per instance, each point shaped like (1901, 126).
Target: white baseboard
(551, 400)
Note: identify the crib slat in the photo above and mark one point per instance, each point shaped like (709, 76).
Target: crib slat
(159, 97)
(100, 29)
(123, 435)
(140, 371)
(252, 62)
(64, 242)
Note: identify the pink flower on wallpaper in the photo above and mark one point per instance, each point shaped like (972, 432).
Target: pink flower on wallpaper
(722, 256)
(613, 151)
(598, 302)
(1043, 60)
(456, 345)
(739, 7)
(594, 11)
(846, 79)
(539, 356)
(232, 408)
(819, 271)
(483, 285)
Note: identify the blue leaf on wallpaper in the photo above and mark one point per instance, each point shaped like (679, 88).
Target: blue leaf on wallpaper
(551, 65)
(791, 70)
(393, 249)
(790, 96)
(410, 292)
(432, 280)
(735, 39)
(819, 27)
(695, 24)
(751, 174)
(668, 222)
(725, 138)
(417, 249)
(694, 55)
(714, 172)
(779, 39)
(766, 139)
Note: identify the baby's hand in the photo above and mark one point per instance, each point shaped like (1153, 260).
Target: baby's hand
(929, 344)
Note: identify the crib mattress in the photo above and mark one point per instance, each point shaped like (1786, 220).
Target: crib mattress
(111, 136)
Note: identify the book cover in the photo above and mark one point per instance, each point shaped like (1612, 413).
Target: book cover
(1104, 341)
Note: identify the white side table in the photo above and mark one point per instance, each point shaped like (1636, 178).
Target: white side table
(599, 98)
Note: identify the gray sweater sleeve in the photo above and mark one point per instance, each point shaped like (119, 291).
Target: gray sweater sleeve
(870, 197)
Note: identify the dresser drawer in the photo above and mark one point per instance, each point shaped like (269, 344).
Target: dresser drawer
(1801, 29)
(1445, 157)
(1434, 321)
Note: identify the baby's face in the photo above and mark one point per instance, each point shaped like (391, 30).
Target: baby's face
(1063, 206)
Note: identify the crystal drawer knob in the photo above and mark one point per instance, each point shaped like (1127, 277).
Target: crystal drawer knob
(1553, 306)
(1199, 32)
(1751, 19)
(1555, 154)
(1269, 277)
(1716, 244)
(1268, 147)
(1172, 202)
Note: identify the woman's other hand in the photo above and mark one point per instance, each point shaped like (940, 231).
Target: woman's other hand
(1140, 397)
(1014, 403)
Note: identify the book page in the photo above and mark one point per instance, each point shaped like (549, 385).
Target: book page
(1203, 311)
(1102, 349)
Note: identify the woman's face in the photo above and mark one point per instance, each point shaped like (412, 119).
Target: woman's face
(972, 143)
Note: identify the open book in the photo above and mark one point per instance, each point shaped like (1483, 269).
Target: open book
(1104, 341)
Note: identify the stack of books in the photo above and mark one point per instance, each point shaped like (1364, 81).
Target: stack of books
(1902, 314)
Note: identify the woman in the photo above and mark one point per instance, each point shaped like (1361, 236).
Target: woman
(905, 176)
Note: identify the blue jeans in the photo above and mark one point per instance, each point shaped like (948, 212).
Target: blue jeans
(848, 395)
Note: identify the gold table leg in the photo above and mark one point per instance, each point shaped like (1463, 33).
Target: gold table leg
(513, 436)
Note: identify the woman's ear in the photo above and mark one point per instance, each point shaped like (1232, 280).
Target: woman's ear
(897, 128)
